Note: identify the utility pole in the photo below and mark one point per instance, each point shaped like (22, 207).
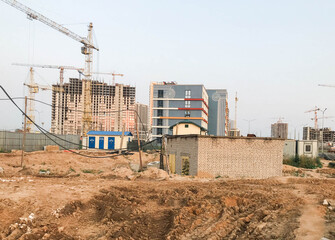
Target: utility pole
(24, 129)
(323, 119)
(249, 121)
(164, 154)
(123, 128)
(139, 144)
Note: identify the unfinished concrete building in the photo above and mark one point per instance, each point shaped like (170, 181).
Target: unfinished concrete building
(112, 106)
(310, 133)
(279, 130)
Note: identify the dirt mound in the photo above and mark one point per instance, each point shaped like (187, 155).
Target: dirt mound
(154, 174)
(329, 172)
(26, 171)
(168, 210)
(119, 173)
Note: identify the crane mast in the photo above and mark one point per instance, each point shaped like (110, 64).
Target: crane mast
(87, 116)
(315, 110)
(87, 50)
(31, 103)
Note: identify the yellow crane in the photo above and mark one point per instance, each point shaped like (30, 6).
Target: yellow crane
(34, 87)
(86, 49)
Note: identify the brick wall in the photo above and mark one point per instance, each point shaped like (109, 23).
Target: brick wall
(184, 147)
(229, 157)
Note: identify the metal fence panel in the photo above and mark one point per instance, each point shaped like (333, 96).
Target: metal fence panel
(36, 141)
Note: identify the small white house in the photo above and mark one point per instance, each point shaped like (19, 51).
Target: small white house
(186, 128)
(308, 148)
(108, 139)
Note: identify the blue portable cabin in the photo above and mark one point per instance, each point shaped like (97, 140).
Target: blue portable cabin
(109, 140)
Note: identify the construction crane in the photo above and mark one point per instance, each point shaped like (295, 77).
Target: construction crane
(86, 49)
(326, 85)
(33, 89)
(109, 73)
(280, 119)
(323, 117)
(315, 110)
(116, 74)
(62, 68)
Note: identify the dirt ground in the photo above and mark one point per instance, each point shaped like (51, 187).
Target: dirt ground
(59, 195)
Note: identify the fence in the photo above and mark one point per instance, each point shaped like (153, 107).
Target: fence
(35, 141)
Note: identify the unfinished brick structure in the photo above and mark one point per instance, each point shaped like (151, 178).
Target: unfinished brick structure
(236, 157)
(112, 106)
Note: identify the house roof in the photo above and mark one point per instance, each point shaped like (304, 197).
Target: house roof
(188, 122)
(109, 133)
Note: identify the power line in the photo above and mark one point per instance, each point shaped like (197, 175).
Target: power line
(77, 110)
(42, 131)
(65, 140)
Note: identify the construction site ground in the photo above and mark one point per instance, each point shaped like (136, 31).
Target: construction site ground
(60, 195)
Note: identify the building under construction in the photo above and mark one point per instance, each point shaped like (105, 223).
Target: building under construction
(112, 107)
(279, 130)
(310, 133)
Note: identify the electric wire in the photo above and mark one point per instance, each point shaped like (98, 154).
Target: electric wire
(65, 140)
(78, 153)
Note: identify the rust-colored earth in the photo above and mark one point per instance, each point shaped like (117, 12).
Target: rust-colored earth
(59, 195)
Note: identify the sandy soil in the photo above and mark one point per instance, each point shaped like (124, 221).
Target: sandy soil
(64, 196)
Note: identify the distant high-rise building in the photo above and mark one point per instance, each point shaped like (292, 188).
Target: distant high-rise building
(171, 103)
(218, 113)
(279, 130)
(112, 106)
(142, 121)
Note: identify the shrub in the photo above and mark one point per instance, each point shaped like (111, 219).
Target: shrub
(303, 162)
(331, 165)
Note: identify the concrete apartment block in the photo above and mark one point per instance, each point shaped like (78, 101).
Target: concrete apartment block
(236, 157)
(112, 106)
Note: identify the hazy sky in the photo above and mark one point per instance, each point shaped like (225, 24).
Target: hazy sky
(273, 53)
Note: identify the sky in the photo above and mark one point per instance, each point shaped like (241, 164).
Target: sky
(272, 53)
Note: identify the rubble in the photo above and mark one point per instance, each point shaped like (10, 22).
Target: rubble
(154, 174)
(325, 202)
(119, 173)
